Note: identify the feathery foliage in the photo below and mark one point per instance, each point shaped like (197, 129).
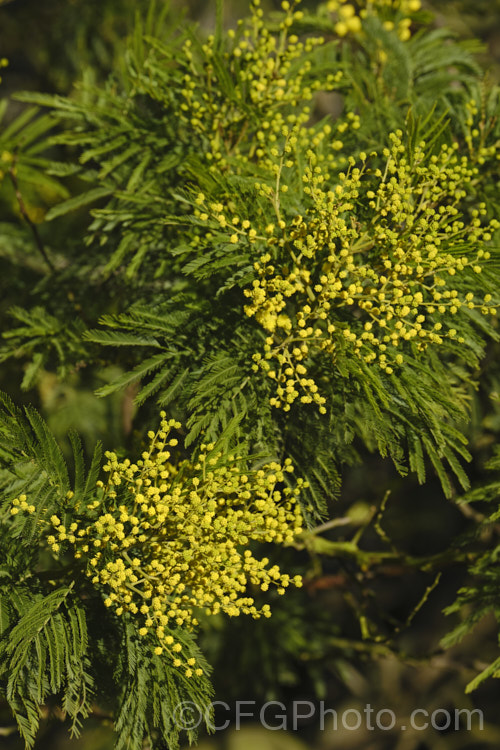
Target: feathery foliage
(285, 236)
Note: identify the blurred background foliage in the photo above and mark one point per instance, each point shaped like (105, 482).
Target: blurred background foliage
(50, 46)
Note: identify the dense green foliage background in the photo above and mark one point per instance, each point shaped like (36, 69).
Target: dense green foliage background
(312, 645)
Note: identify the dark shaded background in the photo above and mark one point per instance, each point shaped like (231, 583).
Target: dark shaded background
(50, 44)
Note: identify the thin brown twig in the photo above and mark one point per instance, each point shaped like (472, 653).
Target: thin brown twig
(26, 217)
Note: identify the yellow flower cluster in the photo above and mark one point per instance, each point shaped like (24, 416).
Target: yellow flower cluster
(278, 160)
(20, 503)
(163, 541)
(267, 71)
(398, 11)
(349, 22)
(375, 266)
(479, 126)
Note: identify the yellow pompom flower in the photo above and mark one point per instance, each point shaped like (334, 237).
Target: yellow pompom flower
(160, 547)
